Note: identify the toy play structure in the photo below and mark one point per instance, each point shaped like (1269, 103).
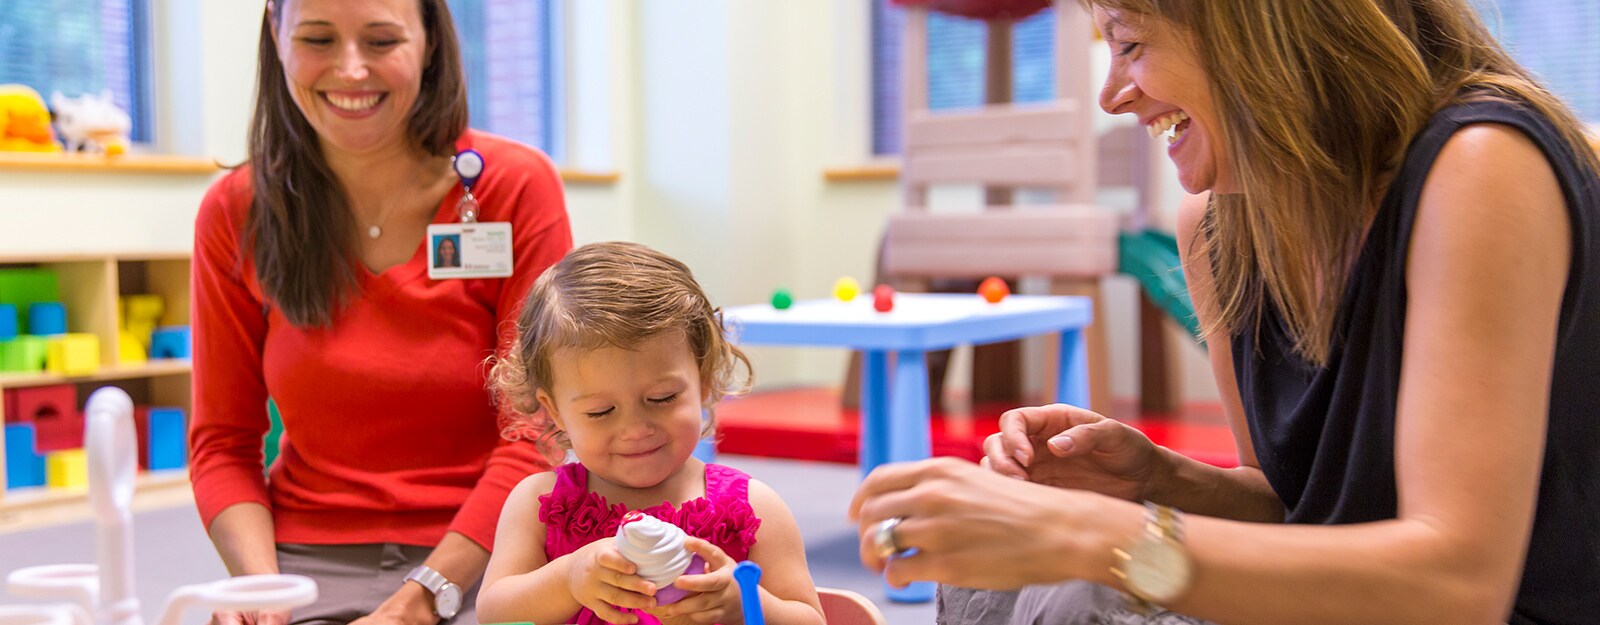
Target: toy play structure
(104, 594)
(1051, 146)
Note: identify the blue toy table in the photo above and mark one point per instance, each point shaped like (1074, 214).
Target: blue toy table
(894, 408)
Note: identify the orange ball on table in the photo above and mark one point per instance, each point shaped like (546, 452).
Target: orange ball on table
(993, 289)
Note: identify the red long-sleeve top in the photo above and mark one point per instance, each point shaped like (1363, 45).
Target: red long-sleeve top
(390, 434)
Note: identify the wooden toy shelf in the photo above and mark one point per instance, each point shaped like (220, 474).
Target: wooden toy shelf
(90, 287)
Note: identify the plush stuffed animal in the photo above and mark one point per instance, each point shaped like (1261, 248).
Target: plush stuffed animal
(92, 123)
(24, 121)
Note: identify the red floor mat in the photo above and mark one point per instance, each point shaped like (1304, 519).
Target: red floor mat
(810, 424)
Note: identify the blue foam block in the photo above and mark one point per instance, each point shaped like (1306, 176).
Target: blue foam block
(8, 322)
(47, 318)
(170, 342)
(24, 466)
(167, 447)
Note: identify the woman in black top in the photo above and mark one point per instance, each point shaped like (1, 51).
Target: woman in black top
(1393, 248)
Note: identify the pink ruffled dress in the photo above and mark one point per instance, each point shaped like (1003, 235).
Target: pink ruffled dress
(574, 517)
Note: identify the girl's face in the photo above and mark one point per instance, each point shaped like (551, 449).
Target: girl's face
(632, 416)
(1156, 75)
(447, 249)
(353, 68)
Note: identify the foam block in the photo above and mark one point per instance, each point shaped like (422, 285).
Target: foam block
(129, 349)
(12, 416)
(53, 412)
(47, 319)
(73, 354)
(68, 468)
(170, 342)
(24, 354)
(25, 286)
(143, 308)
(141, 429)
(24, 466)
(8, 322)
(168, 449)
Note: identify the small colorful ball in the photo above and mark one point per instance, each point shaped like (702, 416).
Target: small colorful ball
(846, 289)
(883, 298)
(782, 300)
(993, 289)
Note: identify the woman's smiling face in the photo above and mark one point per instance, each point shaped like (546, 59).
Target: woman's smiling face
(353, 68)
(1156, 75)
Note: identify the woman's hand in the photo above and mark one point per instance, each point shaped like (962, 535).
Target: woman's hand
(978, 529)
(1067, 447)
(714, 596)
(601, 579)
(411, 604)
(262, 617)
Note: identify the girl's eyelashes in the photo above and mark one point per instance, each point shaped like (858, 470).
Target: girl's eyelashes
(1127, 48)
(316, 41)
(659, 401)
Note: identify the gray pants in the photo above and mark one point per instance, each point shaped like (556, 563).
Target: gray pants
(1068, 603)
(352, 580)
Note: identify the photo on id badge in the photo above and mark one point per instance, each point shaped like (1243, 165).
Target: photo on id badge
(475, 250)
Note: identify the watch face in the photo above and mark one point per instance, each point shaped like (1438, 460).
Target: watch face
(1158, 570)
(448, 601)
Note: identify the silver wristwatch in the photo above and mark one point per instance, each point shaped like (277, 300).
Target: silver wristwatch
(446, 595)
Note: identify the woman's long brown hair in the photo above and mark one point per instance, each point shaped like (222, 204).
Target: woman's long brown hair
(300, 226)
(1318, 100)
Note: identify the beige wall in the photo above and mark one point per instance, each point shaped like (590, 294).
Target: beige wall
(720, 116)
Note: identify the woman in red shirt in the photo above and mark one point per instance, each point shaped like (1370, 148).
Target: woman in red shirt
(311, 287)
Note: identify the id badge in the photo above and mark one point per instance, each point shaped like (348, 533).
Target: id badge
(469, 250)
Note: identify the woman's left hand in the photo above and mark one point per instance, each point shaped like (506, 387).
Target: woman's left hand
(978, 529)
(714, 596)
(410, 605)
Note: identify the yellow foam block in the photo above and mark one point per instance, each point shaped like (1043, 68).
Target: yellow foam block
(73, 354)
(142, 309)
(68, 468)
(141, 331)
(129, 349)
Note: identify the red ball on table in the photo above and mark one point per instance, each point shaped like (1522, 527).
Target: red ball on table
(883, 298)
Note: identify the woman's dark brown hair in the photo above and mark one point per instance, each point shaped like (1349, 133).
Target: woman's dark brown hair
(300, 226)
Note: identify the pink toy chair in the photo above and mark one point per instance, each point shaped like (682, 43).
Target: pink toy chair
(844, 607)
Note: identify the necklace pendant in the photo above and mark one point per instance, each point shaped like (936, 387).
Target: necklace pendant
(374, 231)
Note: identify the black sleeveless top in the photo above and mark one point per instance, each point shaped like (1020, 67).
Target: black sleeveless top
(1325, 435)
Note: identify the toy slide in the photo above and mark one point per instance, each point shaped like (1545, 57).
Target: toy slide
(104, 594)
(1151, 257)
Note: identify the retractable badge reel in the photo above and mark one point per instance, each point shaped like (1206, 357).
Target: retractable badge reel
(469, 248)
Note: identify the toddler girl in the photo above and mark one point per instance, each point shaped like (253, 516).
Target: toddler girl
(622, 350)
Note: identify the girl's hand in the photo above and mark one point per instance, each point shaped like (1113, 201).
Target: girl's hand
(714, 596)
(603, 581)
(1069, 447)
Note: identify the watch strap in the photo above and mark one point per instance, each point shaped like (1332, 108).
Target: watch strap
(1161, 523)
(428, 578)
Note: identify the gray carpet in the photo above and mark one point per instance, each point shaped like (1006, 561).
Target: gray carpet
(171, 548)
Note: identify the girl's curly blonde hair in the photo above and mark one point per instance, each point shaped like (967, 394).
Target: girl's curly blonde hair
(614, 294)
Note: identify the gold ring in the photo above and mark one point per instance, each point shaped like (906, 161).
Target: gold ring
(883, 538)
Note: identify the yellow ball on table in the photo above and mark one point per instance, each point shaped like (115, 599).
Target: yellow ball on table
(846, 289)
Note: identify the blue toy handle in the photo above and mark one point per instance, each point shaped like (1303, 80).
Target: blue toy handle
(748, 574)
